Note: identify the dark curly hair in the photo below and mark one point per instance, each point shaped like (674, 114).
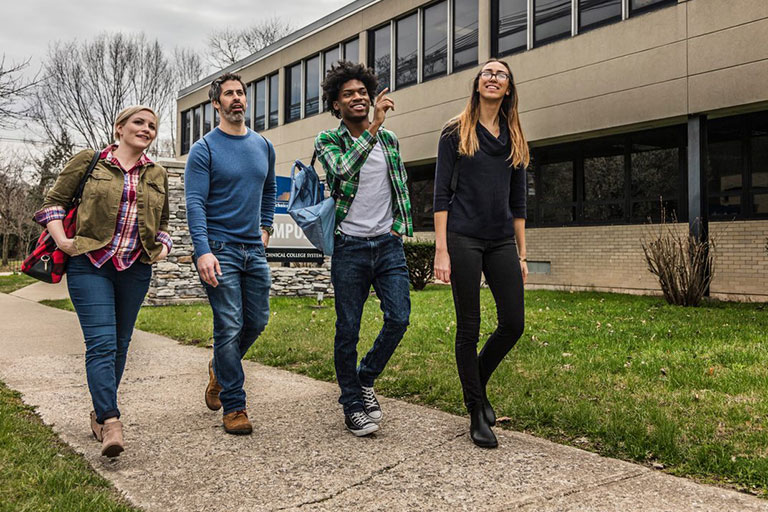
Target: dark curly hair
(339, 74)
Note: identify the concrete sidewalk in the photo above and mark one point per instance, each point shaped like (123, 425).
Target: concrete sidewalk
(300, 457)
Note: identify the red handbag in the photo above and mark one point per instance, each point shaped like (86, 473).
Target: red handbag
(47, 262)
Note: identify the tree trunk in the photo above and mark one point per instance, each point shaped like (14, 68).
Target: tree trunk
(6, 236)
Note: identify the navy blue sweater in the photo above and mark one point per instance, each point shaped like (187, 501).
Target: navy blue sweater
(490, 193)
(231, 191)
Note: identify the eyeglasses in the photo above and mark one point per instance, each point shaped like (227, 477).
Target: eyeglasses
(500, 76)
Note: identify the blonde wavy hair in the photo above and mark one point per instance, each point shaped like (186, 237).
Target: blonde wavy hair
(126, 114)
(465, 124)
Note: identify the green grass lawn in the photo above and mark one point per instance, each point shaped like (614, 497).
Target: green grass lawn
(39, 473)
(13, 282)
(625, 376)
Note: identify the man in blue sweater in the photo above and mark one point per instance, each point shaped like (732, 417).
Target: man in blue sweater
(230, 191)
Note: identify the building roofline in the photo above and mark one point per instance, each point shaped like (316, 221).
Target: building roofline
(292, 38)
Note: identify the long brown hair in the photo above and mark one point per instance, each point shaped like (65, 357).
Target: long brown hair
(466, 122)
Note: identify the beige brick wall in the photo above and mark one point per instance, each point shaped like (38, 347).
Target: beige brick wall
(611, 258)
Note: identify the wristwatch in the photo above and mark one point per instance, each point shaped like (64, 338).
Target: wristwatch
(269, 229)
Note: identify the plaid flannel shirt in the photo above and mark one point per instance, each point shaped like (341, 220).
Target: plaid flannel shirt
(342, 171)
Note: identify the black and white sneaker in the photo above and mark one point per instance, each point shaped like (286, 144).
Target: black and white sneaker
(371, 405)
(360, 424)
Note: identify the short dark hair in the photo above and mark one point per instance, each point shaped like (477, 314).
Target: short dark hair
(214, 93)
(342, 72)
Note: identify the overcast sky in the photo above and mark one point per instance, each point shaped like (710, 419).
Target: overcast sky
(28, 26)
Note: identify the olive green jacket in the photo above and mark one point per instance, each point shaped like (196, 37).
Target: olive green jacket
(98, 210)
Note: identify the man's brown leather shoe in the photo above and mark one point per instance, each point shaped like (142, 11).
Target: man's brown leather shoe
(237, 423)
(212, 390)
(112, 442)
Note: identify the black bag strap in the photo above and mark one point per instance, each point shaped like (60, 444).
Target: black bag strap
(455, 173)
(79, 192)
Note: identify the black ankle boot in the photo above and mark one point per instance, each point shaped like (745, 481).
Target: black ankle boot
(490, 414)
(479, 429)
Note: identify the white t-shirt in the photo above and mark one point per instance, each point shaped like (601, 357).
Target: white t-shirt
(370, 213)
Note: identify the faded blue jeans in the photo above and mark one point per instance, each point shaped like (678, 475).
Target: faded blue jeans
(358, 263)
(240, 305)
(107, 303)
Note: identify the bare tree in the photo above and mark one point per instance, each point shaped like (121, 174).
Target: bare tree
(14, 87)
(86, 84)
(16, 206)
(227, 46)
(187, 68)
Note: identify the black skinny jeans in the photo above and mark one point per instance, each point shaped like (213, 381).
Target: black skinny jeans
(499, 262)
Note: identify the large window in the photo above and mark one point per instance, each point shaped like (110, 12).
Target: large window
(643, 5)
(421, 186)
(435, 40)
(312, 86)
(737, 174)
(274, 92)
(724, 176)
(464, 33)
(593, 13)
(208, 118)
(511, 26)
(329, 59)
(380, 43)
(186, 128)
(609, 180)
(248, 105)
(352, 50)
(406, 49)
(657, 174)
(557, 193)
(604, 173)
(197, 119)
(551, 20)
(758, 155)
(260, 106)
(293, 93)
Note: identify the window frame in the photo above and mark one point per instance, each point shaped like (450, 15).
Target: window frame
(448, 40)
(305, 84)
(496, 32)
(419, 46)
(452, 34)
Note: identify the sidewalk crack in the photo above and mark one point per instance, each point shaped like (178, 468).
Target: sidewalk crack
(603, 482)
(371, 476)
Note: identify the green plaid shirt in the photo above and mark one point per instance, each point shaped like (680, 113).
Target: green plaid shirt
(342, 170)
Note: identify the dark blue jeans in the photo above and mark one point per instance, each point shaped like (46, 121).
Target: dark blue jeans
(240, 305)
(357, 264)
(107, 303)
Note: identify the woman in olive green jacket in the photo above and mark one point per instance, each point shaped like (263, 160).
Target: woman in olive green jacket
(122, 224)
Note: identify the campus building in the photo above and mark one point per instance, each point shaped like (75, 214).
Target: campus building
(628, 105)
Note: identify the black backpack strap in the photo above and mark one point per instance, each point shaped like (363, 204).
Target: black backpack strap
(79, 192)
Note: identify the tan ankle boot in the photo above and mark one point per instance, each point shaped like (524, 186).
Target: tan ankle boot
(112, 443)
(96, 427)
(212, 390)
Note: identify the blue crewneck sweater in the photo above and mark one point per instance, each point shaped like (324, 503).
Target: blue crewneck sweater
(230, 191)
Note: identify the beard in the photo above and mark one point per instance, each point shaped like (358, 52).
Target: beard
(231, 116)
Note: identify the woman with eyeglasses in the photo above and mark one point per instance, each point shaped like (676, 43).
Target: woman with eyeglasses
(480, 210)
